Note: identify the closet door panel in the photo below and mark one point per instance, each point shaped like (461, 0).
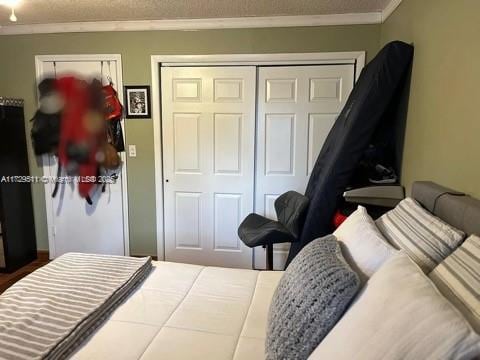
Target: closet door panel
(297, 107)
(228, 143)
(208, 129)
(319, 126)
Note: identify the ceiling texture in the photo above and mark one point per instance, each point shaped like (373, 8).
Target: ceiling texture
(67, 11)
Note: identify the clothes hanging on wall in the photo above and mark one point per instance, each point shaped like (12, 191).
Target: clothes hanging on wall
(79, 122)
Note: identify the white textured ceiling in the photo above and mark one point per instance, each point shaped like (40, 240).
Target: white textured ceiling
(61, 11)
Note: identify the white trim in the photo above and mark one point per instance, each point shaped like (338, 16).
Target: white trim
(80, 57)
(389, 9)
(360, 64)
(157, 148)
(196, 24)
(48, 188)
(261, 59)
(39, 61)
(354, 57)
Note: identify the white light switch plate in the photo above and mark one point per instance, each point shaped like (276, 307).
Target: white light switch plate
(132, 150)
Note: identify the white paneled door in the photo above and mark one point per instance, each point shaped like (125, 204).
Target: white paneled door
(297, 107)
(74, 225)
(208, 125)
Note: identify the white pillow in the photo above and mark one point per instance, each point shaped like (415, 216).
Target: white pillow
(363, 246)
(400, 315)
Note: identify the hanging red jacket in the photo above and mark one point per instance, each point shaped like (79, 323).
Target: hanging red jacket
(81, 132)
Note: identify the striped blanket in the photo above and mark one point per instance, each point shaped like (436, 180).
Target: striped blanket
(53, 310)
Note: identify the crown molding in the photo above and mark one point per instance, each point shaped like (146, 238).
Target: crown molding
(389, 9)
(195, 24)
(204, 24)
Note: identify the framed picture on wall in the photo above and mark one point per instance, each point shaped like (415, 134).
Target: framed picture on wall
(137, 102)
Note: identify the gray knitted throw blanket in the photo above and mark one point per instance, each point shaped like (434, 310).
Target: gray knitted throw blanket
(311, 297)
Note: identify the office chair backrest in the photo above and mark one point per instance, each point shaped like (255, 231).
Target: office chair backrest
(290, 208)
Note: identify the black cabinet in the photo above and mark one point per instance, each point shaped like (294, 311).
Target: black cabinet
(17, 227)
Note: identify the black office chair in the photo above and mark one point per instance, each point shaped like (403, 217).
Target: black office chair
(257, 230)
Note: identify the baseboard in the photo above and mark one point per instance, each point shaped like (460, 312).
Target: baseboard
(154, 257)
(43, 255)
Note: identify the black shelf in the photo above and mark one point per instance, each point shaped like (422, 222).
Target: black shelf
(16, 209)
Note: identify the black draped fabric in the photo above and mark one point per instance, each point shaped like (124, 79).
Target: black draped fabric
(365, 110)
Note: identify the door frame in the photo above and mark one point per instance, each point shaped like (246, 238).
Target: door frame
(39, 61)
(356, 58)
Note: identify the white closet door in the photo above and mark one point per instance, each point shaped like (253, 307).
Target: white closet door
(75, 225)
(297, 107)
(208, 123)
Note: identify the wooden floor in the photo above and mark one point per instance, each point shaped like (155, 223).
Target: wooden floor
(7, 280)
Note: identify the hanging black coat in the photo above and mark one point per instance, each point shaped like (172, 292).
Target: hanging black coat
(351, 134)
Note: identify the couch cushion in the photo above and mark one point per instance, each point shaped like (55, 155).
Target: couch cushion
(424, 237)
(400, 315)
(312, 295)
(458, 278)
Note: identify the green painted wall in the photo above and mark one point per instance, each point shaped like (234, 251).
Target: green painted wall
(443, 126)
(17, 79)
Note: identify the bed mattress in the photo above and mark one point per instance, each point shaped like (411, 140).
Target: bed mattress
(186, 311)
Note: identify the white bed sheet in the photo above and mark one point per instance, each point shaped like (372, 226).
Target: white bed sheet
(186, 311)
